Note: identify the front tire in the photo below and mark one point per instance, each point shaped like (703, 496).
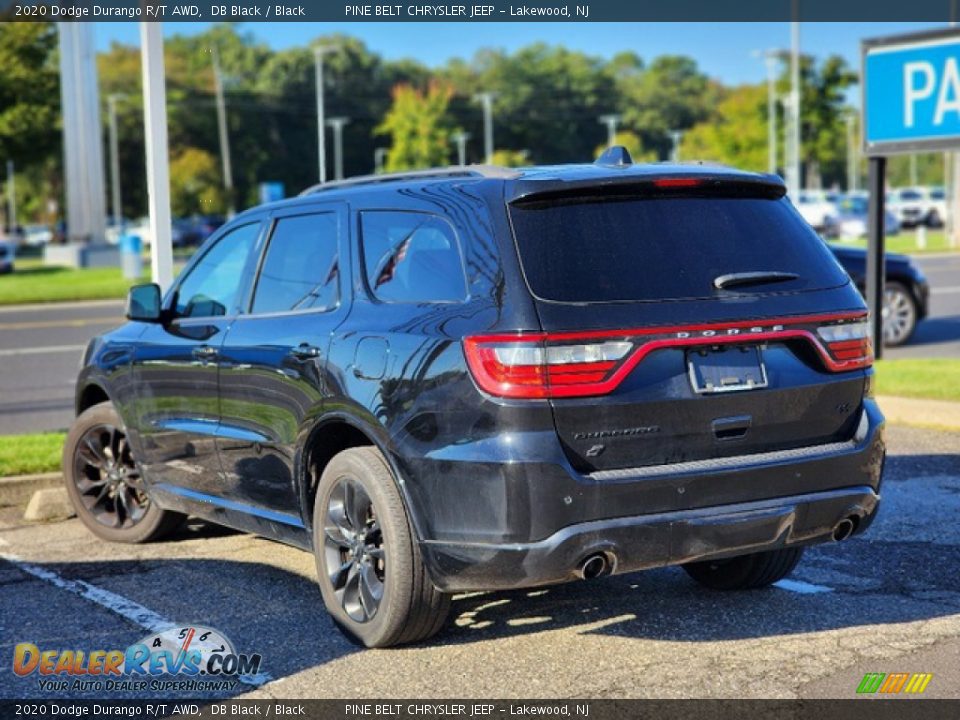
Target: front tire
(371, 574)
(745, 572)
(104, 483)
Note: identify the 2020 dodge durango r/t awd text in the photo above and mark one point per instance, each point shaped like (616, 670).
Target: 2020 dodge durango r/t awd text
(478, 378)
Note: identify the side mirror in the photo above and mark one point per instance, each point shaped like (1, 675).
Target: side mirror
(143, 303)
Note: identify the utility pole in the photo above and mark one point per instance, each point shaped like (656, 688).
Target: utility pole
(224, 136)
(486, 99)
(158, 161)
(611, 121)
(11, 199)
(337, 124)
(460, 138)
(114, 160)
(851, 154)
(675, 137)
(794, 149)
(318, 53)
(379, 156)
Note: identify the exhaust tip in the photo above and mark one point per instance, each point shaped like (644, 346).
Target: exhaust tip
(593, 566)
(845, 528)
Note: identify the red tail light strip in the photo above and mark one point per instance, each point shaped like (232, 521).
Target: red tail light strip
(599, 378)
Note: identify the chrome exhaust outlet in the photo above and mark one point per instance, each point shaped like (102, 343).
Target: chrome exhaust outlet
(593, 566)
(845, 528)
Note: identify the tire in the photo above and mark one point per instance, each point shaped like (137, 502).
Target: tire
(373, 583)
(745, 572)
(105, 485)
(899, 314)
(933, 220)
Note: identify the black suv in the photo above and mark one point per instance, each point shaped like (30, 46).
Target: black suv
(479, 378)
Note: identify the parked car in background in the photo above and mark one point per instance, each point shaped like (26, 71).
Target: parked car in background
(918, 206)
(36, 235)
(936, 207)
(477, 379)
(819, 208)
(851, 223)
(907, 292)
(7, 253)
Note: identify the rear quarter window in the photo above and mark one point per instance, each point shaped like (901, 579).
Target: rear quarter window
(665, 247)
(411, 257)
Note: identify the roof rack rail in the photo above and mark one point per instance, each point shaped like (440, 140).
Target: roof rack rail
(480, 171)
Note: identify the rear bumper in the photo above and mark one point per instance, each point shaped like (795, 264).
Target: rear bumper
(820, 487)
(647, 541)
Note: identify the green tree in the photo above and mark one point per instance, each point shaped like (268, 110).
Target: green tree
(737, 135)
(669, 94)
(195, 184)
(419, 127)
(510, 158)
(30, 114)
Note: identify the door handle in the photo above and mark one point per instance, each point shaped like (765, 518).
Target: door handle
(205, 352)
(304, 351)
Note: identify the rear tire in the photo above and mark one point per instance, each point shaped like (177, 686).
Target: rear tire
(371, 574)
(745, 572)
(105, 485)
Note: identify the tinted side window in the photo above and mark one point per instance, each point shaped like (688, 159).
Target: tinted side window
(301, 268)
(211, 287)
(411, 257)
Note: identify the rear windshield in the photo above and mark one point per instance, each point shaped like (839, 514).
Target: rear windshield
(666, 248)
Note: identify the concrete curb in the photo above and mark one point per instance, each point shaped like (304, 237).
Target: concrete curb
(921, 413)
(18, 490)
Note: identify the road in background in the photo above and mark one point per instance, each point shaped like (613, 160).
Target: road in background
(41, 347)
(40, 351)
(887, 601)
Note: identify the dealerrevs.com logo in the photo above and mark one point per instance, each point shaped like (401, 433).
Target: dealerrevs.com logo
(190, 658)
(894, 683)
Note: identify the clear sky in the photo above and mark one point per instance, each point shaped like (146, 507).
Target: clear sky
(723, 50)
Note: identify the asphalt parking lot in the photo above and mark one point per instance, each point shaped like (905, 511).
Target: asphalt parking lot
(888, 601)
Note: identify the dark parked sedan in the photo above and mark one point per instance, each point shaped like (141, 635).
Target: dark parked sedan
(906, 297)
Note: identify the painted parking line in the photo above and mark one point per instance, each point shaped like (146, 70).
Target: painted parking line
(41, 350)
(118, 604)
(950, 290)
(799, 586)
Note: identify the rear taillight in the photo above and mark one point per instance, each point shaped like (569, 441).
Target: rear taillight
(575, 364)
(532, 366)
(848, 344)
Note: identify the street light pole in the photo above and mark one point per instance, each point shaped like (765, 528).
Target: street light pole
(486, 99)
(460, 139)
(318, 53)
(337, 124)
(675, 137)
(224, 136)
(114, 160)
(11, 199)
(379, 156)
(771, 59)
(794, 150)
(851, 155)
(611, 121)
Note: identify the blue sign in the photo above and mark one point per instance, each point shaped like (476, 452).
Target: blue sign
(911, 93)
(271, 191)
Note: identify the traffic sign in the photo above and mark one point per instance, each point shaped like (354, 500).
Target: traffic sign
(911, 93)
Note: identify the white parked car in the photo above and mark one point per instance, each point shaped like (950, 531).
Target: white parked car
(819, 208)
(913, 206)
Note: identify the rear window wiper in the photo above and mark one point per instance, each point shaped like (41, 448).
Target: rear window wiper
(763, 277)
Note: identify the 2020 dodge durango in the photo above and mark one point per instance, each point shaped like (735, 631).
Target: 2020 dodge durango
(479, 378)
